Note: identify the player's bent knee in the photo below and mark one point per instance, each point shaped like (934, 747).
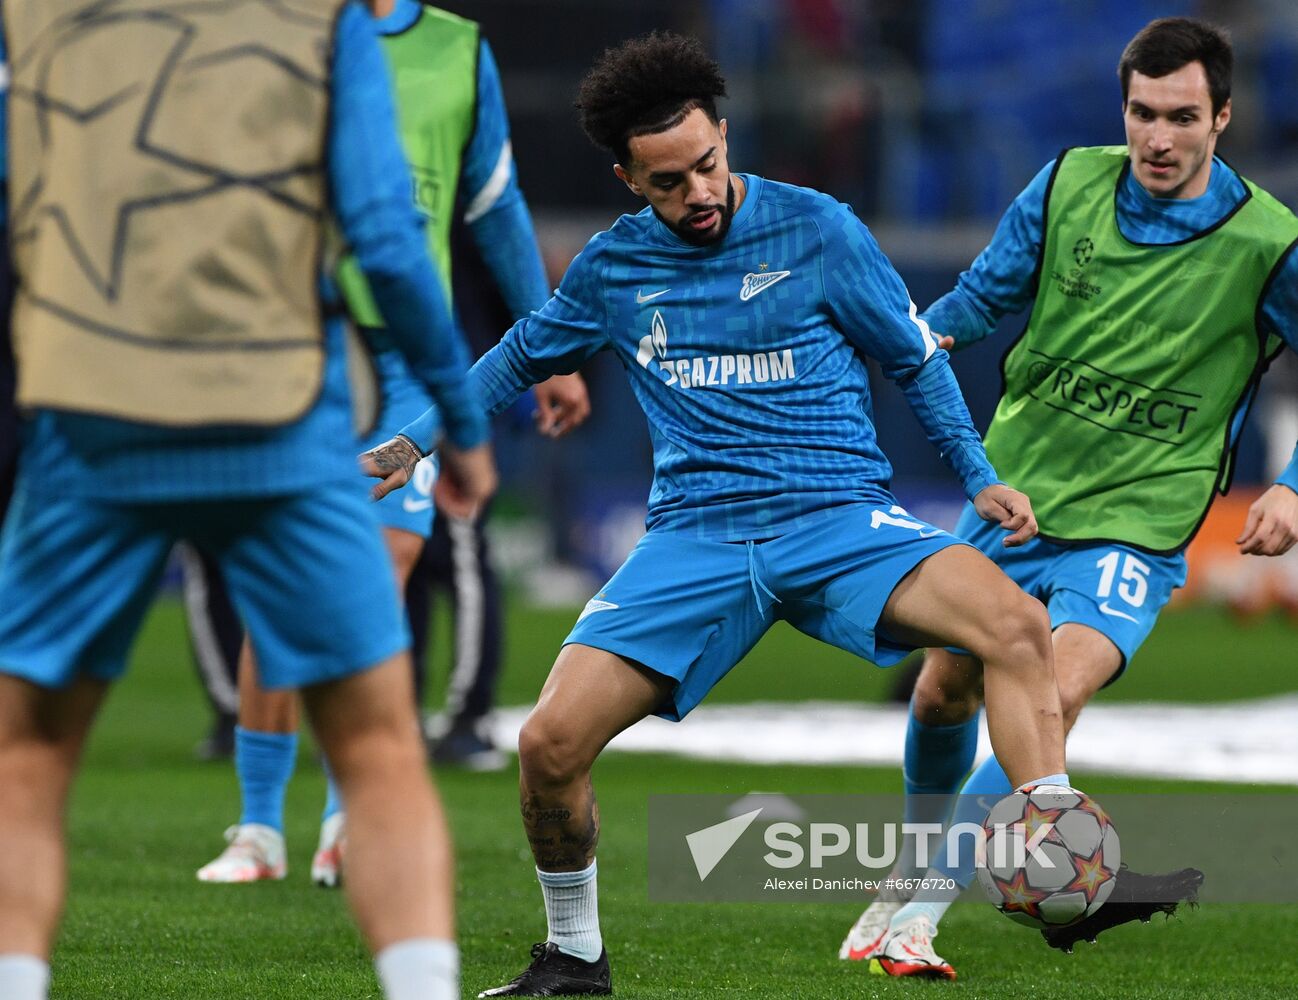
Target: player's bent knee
(549, 755)
(1072, 700)
(1021, 635)
(948, 690)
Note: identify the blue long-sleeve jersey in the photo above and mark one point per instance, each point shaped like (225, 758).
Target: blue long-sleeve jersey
(1000, 281)
(748, 358)
(370, 197)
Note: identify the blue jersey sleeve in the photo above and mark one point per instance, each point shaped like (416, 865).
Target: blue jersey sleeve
(555, 340)
(871, 306)
(370, 190)
(999, 282)
(496, 212)
(1280, 312)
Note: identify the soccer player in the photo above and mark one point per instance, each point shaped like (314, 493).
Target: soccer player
(1161, 283)
(743, 310)
(451, 115)
(179, 353)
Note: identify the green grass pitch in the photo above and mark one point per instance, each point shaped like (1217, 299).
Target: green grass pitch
(145, 815)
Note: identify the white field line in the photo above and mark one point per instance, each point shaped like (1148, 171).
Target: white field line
(1246, 741)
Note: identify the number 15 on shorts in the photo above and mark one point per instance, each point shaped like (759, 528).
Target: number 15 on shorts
(1132, 579)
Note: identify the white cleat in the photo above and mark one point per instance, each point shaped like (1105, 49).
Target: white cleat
(327, 865)
(256, 852)
(867, 934)
(907, 950)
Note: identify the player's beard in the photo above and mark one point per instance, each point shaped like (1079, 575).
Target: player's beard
(726, 215)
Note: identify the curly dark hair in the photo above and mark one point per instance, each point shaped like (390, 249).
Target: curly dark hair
(1165, 45)
(647, 85)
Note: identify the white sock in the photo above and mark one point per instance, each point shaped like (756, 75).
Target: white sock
(24, 977)
(419, 969)
(932, 910)
(572, 911)
(1049, 779)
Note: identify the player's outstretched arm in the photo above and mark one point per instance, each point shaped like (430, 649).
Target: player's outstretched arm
(467, 478)
(1271, 528)
(1001, 281)
(1010, 509)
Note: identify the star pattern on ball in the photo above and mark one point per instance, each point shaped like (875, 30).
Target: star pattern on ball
(1035, 818)
(1090, 874)
(1019, 897)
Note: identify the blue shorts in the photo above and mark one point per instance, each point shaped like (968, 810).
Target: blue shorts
(690, 609)
(402, 399)
(1114, 589)
(309, 575)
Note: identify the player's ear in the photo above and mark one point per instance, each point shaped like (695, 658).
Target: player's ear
(1223, 118)
(625, 177)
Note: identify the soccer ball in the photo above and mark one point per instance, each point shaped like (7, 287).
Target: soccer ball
(1051, 878)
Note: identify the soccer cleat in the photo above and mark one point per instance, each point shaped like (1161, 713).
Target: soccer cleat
(555, 974)
(1134, 897)
(256, 852)
(467, 749)
(871, 927)
(908, 951)
(327, 864)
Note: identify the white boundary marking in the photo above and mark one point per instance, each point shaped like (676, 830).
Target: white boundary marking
(1245, 741)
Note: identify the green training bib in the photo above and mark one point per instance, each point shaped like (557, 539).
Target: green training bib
(1119, 396)
(434, 66)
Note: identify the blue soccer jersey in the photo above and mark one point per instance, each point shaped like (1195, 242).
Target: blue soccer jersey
(748, 358)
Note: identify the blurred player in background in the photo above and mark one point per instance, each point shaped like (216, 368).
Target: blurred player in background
(455, 134)
(179, 351)
(1161, 285)
(742, 310)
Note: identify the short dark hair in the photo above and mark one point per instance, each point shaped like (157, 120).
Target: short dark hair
(647, 85)
(1165, 45)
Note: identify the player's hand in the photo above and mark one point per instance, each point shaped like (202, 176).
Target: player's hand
(945, 341)
(392, 463)
(1271, 527)
(562, 404)
(466, 480)
(1010, 509)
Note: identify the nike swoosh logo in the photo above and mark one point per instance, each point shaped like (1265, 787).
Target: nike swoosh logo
(413, 506)
(930, 534)
(1117, 614)
(594, 605)
(641, 298)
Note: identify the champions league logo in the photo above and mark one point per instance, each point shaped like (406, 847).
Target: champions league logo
(1074, 284)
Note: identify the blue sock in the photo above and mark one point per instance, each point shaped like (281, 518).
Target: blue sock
(936, 759)
(333, 799)
(264, 763)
